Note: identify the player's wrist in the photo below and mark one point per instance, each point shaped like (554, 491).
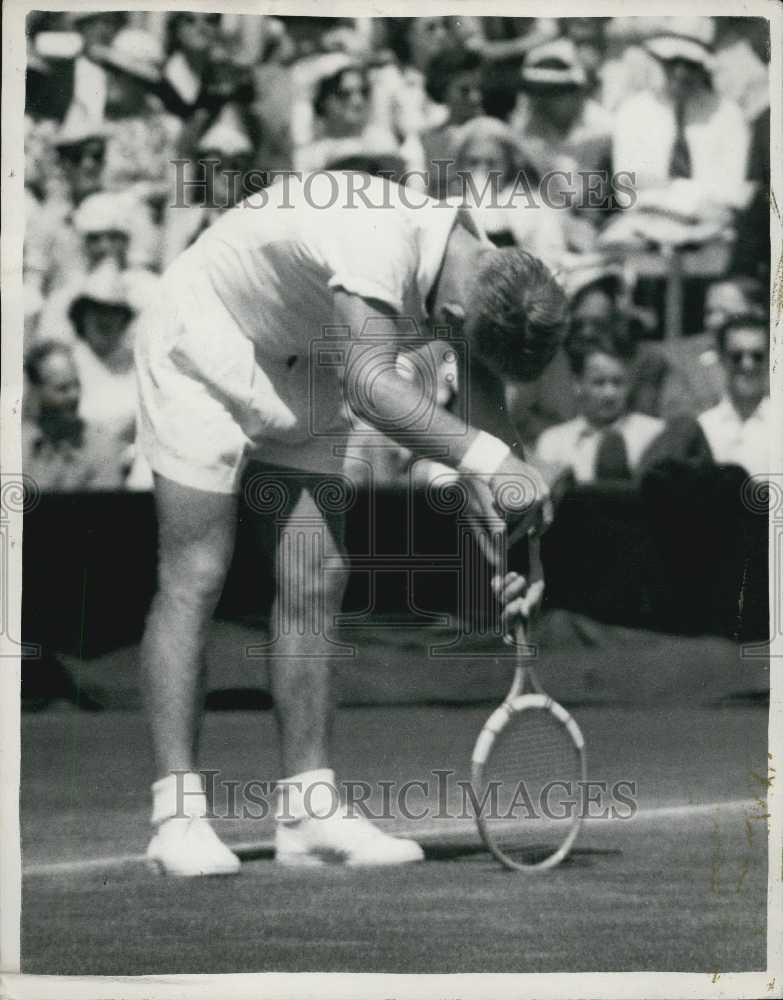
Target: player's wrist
(485, 455)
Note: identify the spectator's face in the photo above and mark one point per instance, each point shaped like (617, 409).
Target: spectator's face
(560, 107)
(484, 160)
(347, 109)
(100, 29)
(682, 78)
(102, 326)
(463, 97)
(59, 391)
(125, 95)
(746, 360)
(592, 311)
(603, 389)
(111, 244)
(196, 33)
(83, 167)
(428, 36)
(721, 302)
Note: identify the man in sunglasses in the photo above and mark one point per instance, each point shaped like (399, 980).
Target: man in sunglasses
(290, 306)
(739, 428)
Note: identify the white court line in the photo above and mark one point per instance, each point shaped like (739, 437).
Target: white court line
(432, 833)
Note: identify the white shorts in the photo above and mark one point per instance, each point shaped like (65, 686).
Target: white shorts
(209, 400)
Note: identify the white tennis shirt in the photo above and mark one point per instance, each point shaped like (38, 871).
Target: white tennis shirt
(275, 260)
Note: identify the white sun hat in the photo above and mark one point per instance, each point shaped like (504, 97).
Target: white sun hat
(689, 38)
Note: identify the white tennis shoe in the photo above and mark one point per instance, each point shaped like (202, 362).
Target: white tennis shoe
(184, 844)
(354, 841)
(189, 847)
(313, 829)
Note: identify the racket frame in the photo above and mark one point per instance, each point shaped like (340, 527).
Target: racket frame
(520, 700)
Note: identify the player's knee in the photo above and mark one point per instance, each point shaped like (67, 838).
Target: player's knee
(193, 578)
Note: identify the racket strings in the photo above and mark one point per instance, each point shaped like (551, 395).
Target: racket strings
(530, 783)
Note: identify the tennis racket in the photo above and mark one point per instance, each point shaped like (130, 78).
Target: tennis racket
(527, 768)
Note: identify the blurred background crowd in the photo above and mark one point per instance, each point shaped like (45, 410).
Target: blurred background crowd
(631, 154)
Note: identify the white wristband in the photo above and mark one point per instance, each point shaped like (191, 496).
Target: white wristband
(484, 456)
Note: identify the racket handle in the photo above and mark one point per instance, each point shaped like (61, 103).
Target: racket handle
(520, 634)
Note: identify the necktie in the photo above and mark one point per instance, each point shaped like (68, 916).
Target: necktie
(680, 163)
(611, 460)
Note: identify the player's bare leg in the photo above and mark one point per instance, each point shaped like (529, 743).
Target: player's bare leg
(311, 575)
(313, 828)
(196, 540)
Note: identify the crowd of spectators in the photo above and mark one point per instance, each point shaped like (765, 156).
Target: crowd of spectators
(595, 143)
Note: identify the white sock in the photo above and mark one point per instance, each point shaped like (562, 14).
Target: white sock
(178, 796)
(310, 793)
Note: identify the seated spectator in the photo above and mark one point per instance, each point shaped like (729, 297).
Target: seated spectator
(61, 450)
(140, 136)
(343, 126)
(685, 377)
(565, 134)
(739, 428)
(111, 227)
(453, 80)
(686, 145)
(52, 245)
(488, 163)
(101, 312)
(607, 440)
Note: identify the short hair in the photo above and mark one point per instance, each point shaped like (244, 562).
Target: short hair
(444, 66)
(743, 321)
(518, 313)
(329, 86)
(616, 341)
(38, 354)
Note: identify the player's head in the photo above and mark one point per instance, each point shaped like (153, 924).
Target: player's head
(601, 367)
(516, 316)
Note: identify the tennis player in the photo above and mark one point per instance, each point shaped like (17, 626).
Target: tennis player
(228, 377)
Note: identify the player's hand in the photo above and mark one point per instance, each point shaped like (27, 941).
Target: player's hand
(520, 598)
(522, 494)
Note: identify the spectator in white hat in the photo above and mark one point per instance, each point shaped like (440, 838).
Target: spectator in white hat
(686, 145)
(562, 129)
(141, 137)
(110, 227)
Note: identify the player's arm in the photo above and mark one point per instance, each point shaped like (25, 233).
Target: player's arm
(380, 395)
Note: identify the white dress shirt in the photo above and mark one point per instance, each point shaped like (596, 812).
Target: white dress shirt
(734, 441)
(715, 130)
(575, 443)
